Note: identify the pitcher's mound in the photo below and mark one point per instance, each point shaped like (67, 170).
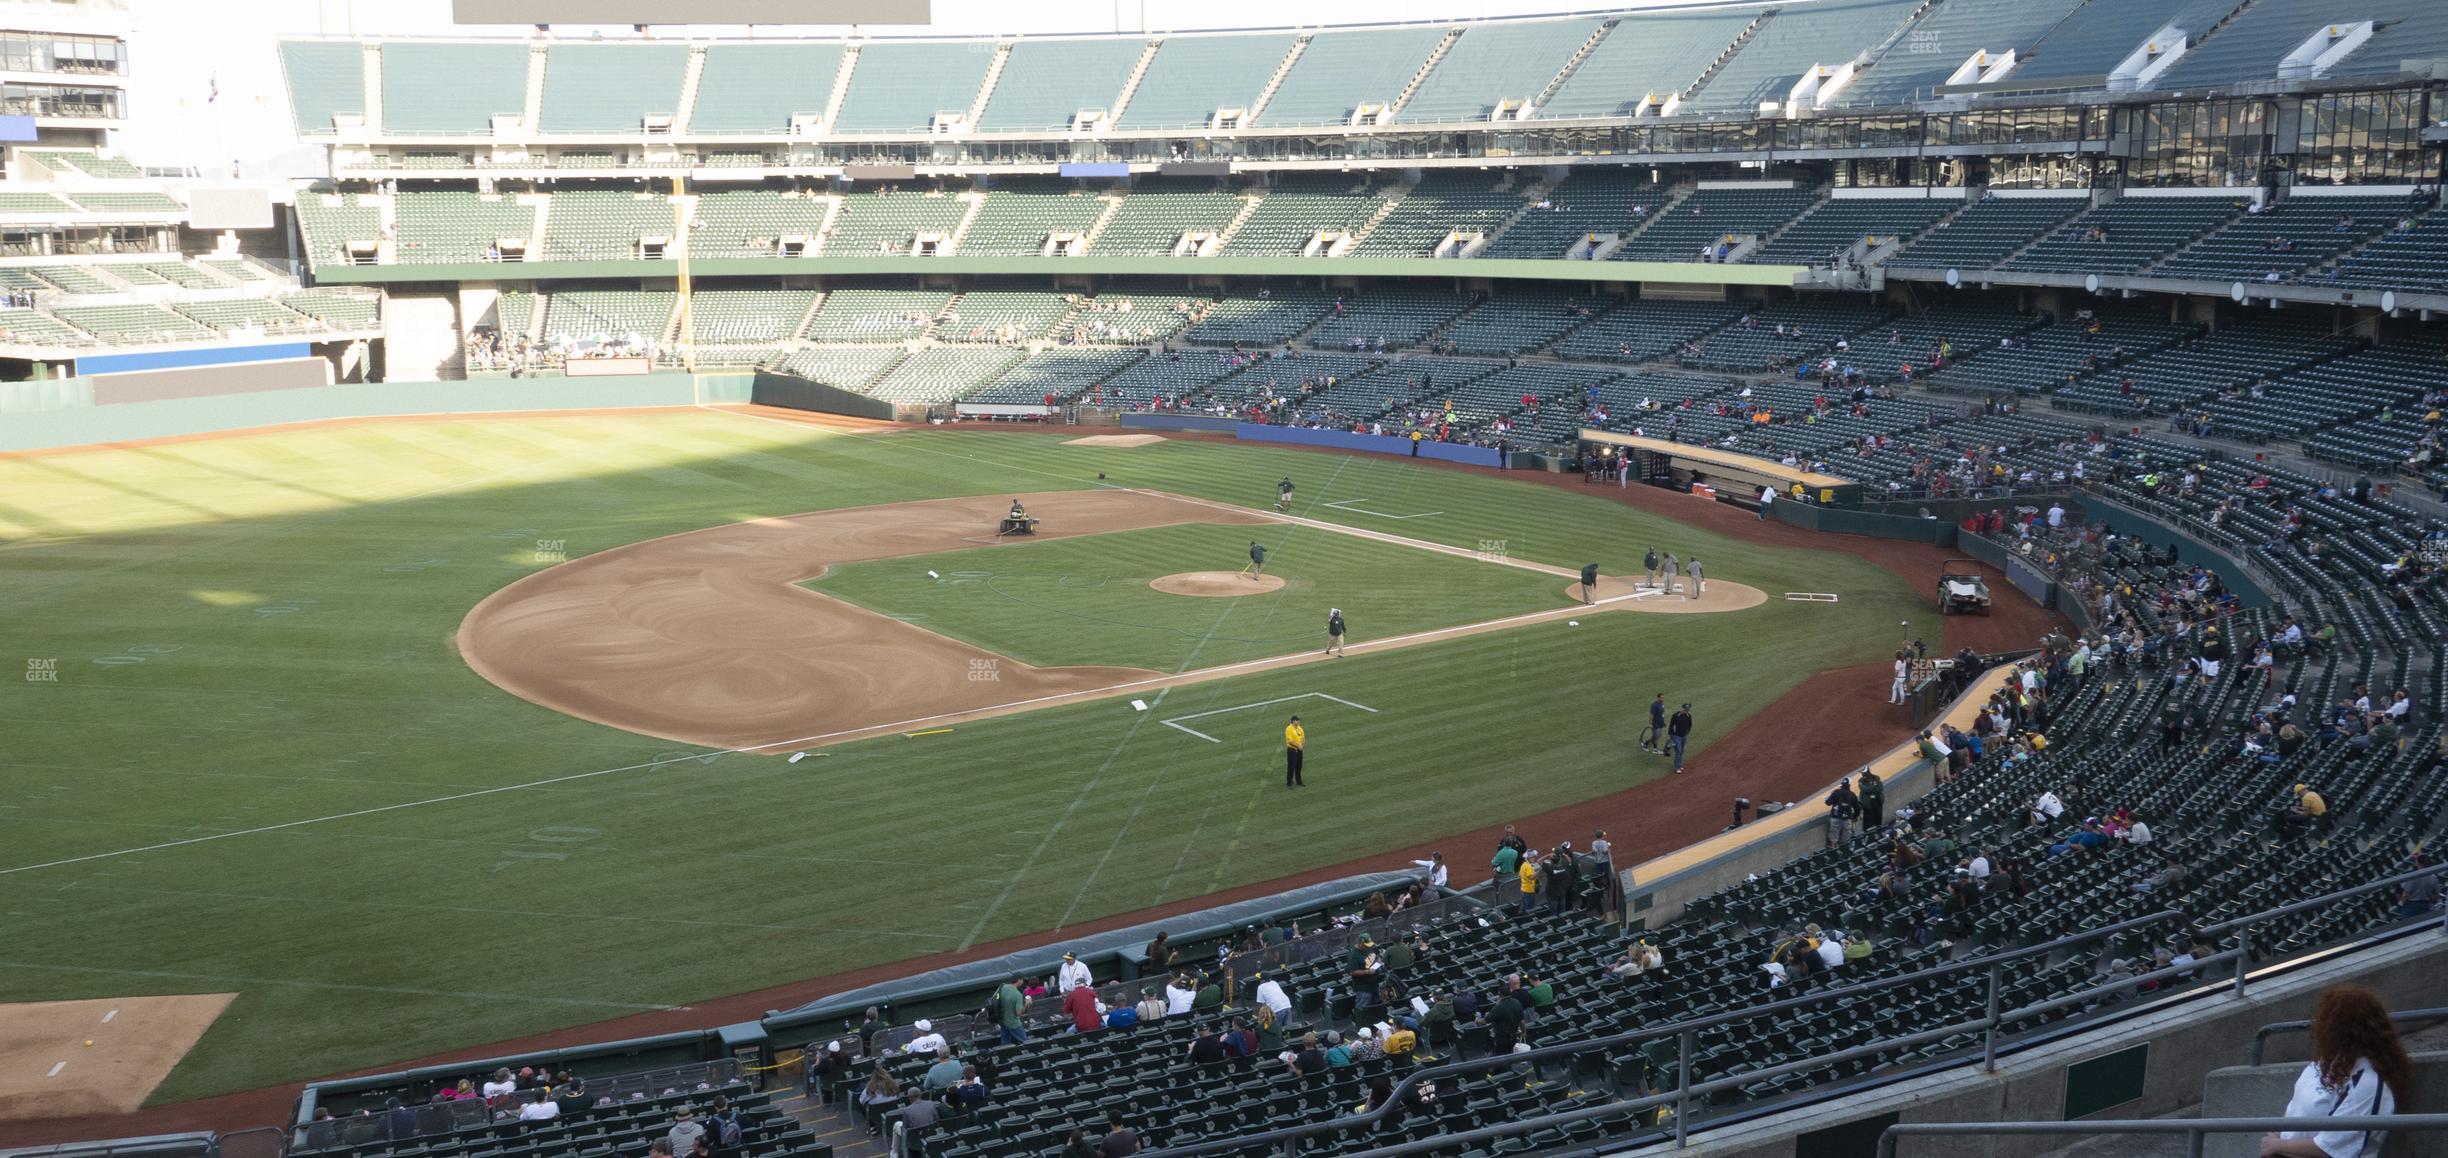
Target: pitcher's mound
(1216, 584)
(1115, 440)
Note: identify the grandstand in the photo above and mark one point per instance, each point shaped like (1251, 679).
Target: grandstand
(1922, 270)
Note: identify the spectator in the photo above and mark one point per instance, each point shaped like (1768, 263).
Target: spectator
(944, 1074)
(1843, 809)
(1308, 1061)
(1120, 1141)
(2358, 1068)
(1087, 1013)
(1008, 1005)
(919, 1119)
(685, 1131)
(1077, 1145)
(1271, 995)
(927, 1042)
(503, 1085)
(1153, 1006)
(881, 1094)
(1179, 992)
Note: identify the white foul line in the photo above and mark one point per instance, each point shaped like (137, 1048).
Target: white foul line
(1175, 722)
(1353, 506)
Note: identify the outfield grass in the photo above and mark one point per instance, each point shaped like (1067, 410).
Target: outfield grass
(1086, 601)
(252, 636)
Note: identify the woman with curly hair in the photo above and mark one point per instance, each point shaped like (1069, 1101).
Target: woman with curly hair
(2358, 1069)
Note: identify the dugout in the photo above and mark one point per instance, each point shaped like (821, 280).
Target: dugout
(1737, 477)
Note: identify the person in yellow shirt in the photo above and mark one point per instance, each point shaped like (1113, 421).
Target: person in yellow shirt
(1296, 738)
(1529, 879)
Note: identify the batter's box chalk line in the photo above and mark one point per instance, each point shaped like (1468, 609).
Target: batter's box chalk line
(1810, 597)
(1176, 723)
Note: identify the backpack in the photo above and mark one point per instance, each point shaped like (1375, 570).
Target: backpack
(727, 1129)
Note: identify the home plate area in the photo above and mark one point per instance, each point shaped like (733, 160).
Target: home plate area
(1180, 723)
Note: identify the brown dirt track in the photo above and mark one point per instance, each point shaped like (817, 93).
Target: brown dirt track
(1829, 723)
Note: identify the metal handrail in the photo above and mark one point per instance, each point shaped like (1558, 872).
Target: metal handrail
(2261, 1036)
(2194, 1129)
(1685, 1031)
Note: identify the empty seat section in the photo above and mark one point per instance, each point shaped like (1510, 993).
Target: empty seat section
(2098, 37)
(1644, 330)
(1296, 208)
(1906, 72)
(1986, 231)
(1493, 62)
(2180, 375)
(2411, 255)
(1045, 84)
(1647, 57)
(581, 315)
(1156, 213)
(86, 162)
(758, 88)
(1520, 322)
(1002, 317)
(754, 223)
(438, 89)
(459, 226)
(886, 223)
(941, 374)
(849, 367)
(1340, 71)
(747, 316)
(1385, 318)
(1020, 215)
(902, 88)
(1584, 210)
(326, 79)
(94, 201)
(1790, 43)
(606, 224)
(2127, 234)
(135, 324)
(1193, 77)
(1061, 372)
(1709, 216)
(874, 315)
(337, 308)
(264, 314)
(15, 201)
(1442, 205)
(610, 88)
(2295, 234)
(1254, 319)
(1837, 225)
(35, 328)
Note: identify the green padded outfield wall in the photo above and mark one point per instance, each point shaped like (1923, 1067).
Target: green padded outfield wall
(87, 424)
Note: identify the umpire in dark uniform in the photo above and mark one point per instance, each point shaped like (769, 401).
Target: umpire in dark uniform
(1589, 583)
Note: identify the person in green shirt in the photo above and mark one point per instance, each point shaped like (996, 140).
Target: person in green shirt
(1397, 957)
(1507, 863)
(1210, 995)
(1008, 1003)
(1540, 993)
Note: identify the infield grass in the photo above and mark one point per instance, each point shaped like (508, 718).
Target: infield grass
(242, 752)
(1086, 600)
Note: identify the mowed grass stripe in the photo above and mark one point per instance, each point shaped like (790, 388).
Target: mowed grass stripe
(1087, 600)
(586, 889)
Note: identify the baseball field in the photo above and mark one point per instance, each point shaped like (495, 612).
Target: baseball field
(418, 735)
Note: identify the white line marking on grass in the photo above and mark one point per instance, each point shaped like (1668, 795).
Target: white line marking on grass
(1353, 505)
(56, 1067)
(220, 979)
(1176, 722)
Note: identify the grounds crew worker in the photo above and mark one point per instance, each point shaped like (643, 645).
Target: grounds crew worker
(1283, 494)
(1651, 565)
(1296, 738)
(1334, 631)
(1257, 563)
(1589, 583)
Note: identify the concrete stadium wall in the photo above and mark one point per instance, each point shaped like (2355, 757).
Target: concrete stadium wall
(177, 417)
(2187, 1036)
